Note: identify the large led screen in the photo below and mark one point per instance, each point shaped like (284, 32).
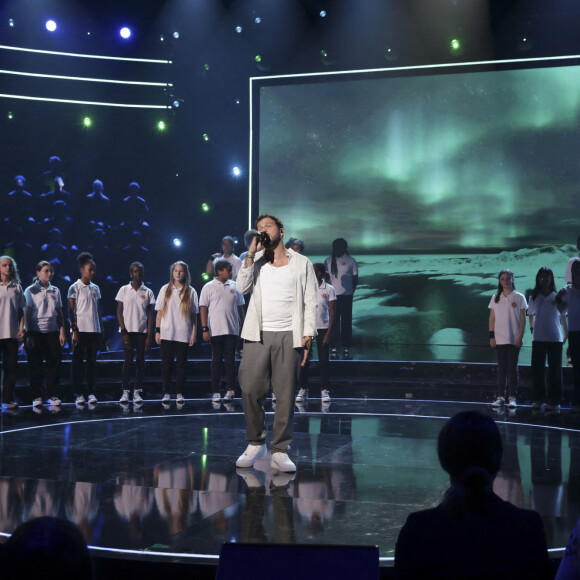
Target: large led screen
(438, 178)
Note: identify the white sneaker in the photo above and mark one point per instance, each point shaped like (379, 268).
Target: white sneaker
(251, 455)
(92, 399)
(216, 398)
(229, 396)
(54, 401)
(125, 397)
(498, 402)
(301, 396)
(273, 397)
(325, 396)
(80, 400)
(512, 402)
(37, 402)
(137, 398)
(166, 398)
(179, 399)
(281, 462)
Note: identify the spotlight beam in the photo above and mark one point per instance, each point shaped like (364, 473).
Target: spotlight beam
(92, 80)
(71, 101)
(74, 54)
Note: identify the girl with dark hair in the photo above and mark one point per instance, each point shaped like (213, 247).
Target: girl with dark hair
(507, 322)
(343, 271)
(11, 325)
(324, 325)
(176, 327)
(84, 311)
(45, 335)
(472, 533)
(546, 323)
(134, 313)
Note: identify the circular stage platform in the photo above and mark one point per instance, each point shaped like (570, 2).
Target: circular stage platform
(157, 484)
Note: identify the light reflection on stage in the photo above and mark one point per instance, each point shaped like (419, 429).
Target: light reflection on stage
(157, 483)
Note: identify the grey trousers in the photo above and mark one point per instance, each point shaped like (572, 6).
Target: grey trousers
(273, 360)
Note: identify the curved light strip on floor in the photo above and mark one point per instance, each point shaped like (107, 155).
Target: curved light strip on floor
(97, 103)
(97, 56)
(93, 80)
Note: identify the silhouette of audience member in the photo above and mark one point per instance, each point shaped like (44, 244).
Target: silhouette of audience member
(55, 169)
(18, 222)
(134, 209)
(472, 533)
(97, 207)
(46, 549)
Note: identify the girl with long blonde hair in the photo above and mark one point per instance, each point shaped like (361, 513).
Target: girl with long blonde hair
(176, 326)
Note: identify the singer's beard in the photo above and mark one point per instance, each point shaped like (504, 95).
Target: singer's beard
(269, 249)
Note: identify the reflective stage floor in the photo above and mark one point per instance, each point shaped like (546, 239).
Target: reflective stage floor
(161, 484)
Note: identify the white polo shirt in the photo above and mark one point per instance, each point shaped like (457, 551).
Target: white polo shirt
(43, 303)
(222, 301)
(326, 294)
(11, 300)
(572, 300)
(508, 312)
(136, 305)
(547, 325)
(173, 325)
(234, 261)
(87, 298)
(346, 267)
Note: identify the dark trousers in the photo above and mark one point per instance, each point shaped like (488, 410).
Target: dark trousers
(342, 328)
(507, 369)
(9, 350)
(574, 343)
(323, 363)
(85, 349)
(134, 351)
(46, 348)
(223, 347)
(171, 350)
(552, 350)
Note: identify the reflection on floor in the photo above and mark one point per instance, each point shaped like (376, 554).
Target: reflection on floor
(161, 482)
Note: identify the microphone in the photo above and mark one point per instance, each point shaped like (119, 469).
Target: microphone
(263, 237)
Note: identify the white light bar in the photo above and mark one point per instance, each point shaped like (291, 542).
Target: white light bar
(93, 80)
(97, 56)
(71, 101)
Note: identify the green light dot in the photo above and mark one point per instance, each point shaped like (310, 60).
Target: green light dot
(205, 207)
(205, 137)
(258, 58)
(206, 66)
(87, 122)
(323, 53)
(10, 115)
(205, 276)
(161, 126)
(455, 44)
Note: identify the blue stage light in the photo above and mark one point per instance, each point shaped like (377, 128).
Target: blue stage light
(236, 171)
(125, 32)
(50, 25)
(239, 29)
(177, 243)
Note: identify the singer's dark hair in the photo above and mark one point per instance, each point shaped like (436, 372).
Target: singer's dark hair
(275, 219)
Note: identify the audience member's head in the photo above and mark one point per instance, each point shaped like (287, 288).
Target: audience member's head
(46, 549)
(470, 450)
